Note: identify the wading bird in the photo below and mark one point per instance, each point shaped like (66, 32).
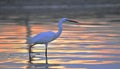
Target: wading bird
(46, 37)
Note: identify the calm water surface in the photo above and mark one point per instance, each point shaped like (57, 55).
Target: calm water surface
(95, 45)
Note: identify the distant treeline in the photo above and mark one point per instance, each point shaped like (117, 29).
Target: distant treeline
(56, 2)
(38, 6)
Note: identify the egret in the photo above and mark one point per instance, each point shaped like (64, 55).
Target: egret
(46, 37)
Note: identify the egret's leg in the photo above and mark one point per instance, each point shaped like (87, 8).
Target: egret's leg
(46, 53)
(46, 60)
(30, 46)
(46, 49)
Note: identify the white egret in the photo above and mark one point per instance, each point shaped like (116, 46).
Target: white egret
(46, 37)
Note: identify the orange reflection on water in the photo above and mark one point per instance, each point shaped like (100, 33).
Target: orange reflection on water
(102, 46)
(13, 50)
(102, 62)
(37, 28)
(83, 56)
(13, 29)
(59, 61)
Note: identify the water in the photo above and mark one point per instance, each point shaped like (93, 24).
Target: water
(95, 45)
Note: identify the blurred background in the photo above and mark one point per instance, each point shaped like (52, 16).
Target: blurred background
(94, 45)
(96, 8)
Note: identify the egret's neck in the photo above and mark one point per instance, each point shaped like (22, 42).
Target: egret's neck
(59, 29)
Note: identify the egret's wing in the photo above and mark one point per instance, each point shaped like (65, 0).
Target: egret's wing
(42, 37)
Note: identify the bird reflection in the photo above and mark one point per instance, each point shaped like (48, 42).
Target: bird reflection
(31, 59)
(45, 65)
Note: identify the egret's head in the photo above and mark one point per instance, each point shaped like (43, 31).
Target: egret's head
(63, 19)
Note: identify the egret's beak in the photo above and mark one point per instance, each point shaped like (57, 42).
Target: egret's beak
(74, 21)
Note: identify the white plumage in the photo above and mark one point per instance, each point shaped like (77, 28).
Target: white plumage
(42, 38)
